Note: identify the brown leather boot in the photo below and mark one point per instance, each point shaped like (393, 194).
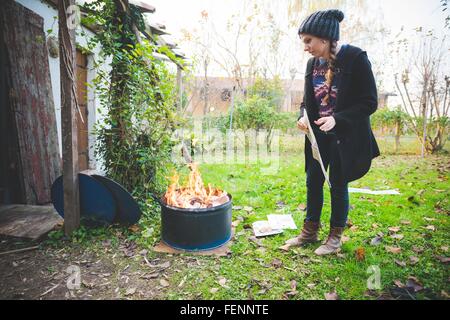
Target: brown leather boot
(333, 242)
(309, 234)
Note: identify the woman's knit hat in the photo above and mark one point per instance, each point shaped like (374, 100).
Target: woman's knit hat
(323, 24)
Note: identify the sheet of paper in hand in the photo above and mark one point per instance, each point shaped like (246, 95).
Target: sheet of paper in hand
(315, 149)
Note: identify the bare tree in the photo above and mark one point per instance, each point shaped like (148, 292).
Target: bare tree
(425, 97)
(236, 52)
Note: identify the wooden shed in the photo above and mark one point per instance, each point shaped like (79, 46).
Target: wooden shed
(32, 119)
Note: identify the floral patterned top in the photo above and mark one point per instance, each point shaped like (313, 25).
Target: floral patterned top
(321, 88)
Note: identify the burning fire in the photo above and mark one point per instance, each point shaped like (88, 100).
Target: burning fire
(194, 195)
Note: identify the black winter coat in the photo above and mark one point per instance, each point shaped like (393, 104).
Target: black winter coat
(356, 101)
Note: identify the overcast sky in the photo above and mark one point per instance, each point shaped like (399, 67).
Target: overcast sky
(186, 14)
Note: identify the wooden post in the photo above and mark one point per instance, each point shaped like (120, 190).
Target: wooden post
(68, 116)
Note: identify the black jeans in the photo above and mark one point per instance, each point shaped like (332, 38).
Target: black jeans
(315, 180)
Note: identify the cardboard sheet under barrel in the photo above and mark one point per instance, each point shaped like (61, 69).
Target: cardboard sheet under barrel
(26, 221)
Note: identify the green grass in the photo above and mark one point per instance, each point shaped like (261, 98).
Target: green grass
(262, 271)
(251, 273)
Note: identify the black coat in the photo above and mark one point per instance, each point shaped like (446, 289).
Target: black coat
(356, 101)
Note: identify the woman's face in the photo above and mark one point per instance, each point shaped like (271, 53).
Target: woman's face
(317, 47)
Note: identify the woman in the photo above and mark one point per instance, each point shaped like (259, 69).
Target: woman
(339, 97)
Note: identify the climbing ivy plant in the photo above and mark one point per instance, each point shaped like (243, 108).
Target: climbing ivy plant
(136, 97)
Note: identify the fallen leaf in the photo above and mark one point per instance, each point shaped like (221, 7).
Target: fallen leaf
(444, 248)
(374, 225)
(311, 285)
(443, 259)
(429, 219)
(222, 281)
(430, 227)
(400, 263)
(360, 254)
(370, 293)
(285, 247)
(130, 291)
(106, 243)
(163, 265)
(397, 236)
(281, 203)
(182, 282)
(291, 293)
(417, 249)
(414, 284)
(256, 240)
(293, 285)
(395, 250)
(405, 222)
(164, 283)
(301, 207)
(331, 296)
(345, 239)
(262, 291)
(248, 209)
(413, 260)
(213, 290)
(394, 229)
(87, 284)
(235, 223)
(237, 207)
(353, 228)
(276, 263)
(369, 214)
(134, 228)
(150, 276)
(399, 284)
(444, 294)
(439, 209)
(376, 241)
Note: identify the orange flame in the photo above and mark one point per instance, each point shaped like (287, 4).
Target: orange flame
(194, 195)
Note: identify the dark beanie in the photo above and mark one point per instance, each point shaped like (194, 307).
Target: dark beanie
(323, 24)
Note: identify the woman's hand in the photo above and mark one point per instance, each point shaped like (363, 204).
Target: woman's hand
(326, 123)
(301, 124)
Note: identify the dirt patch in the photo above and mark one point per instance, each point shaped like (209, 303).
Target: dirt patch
(104, 272)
